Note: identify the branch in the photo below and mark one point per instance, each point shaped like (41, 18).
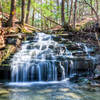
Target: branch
(47, 18)
(91, 8)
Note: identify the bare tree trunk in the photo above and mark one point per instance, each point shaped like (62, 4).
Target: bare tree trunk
(41, 17)
(58, 9)
(2, 14)
(71, 12)
(0, 7)
(1, 10)
(91, 1)
(97, 6)
(75, 11)
(33, 17)
(23, 12)
(12, 13)
(63, 12)
(67, 7)
(28, 10)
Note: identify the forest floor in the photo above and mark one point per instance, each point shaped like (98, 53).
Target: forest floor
(86, 31)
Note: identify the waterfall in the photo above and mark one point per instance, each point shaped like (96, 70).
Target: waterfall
(63, 71)
(44, 59)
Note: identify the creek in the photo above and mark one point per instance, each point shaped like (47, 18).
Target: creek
(48, 68)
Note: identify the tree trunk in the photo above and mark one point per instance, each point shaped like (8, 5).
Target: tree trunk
(63, 12)
(97, 6)
(41, 17)
(0, 7)
(67, 7)
(28, 10)
(75, 11)
(58, 5)
(23, 12)
(71, 12)
(12, 13)
(33, 17)
(91, 1)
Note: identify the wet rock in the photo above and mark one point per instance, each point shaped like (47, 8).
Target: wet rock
(10, 40)
(65, 41)
(43, 47)
(51, 46)
(74, 47)
(30, 47)
(30, 38)
(56, 38)
(98, 59)
(79, 53)
(4, 73)
(37, 46)
(74, 78)
(97, 72)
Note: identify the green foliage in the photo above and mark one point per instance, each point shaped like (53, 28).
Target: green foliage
(49, 9)
(6, 5)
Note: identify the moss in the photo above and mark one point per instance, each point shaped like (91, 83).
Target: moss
(3, 91)
(5, 65)
(10, 49)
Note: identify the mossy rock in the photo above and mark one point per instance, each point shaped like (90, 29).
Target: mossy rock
(3, 91)
(10, 49)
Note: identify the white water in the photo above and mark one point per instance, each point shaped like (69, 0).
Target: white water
(42, 60)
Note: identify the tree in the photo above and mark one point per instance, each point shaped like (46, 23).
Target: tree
(0, 7)
(97, 7)
(23, 12)
(75, 11)
(71, 12)
(12, 13)
(41, 16)
(28, 10)
(95, 12)
(58, 9)
(67, 7)
(33, 17)
(91, 3)
(63, 12)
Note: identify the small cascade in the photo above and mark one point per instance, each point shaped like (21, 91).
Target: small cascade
(63, 71)
(44, 59)
(87, 50)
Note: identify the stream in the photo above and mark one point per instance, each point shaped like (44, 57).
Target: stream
(47, 67)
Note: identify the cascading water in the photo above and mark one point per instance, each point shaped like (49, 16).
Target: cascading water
(44, 59)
